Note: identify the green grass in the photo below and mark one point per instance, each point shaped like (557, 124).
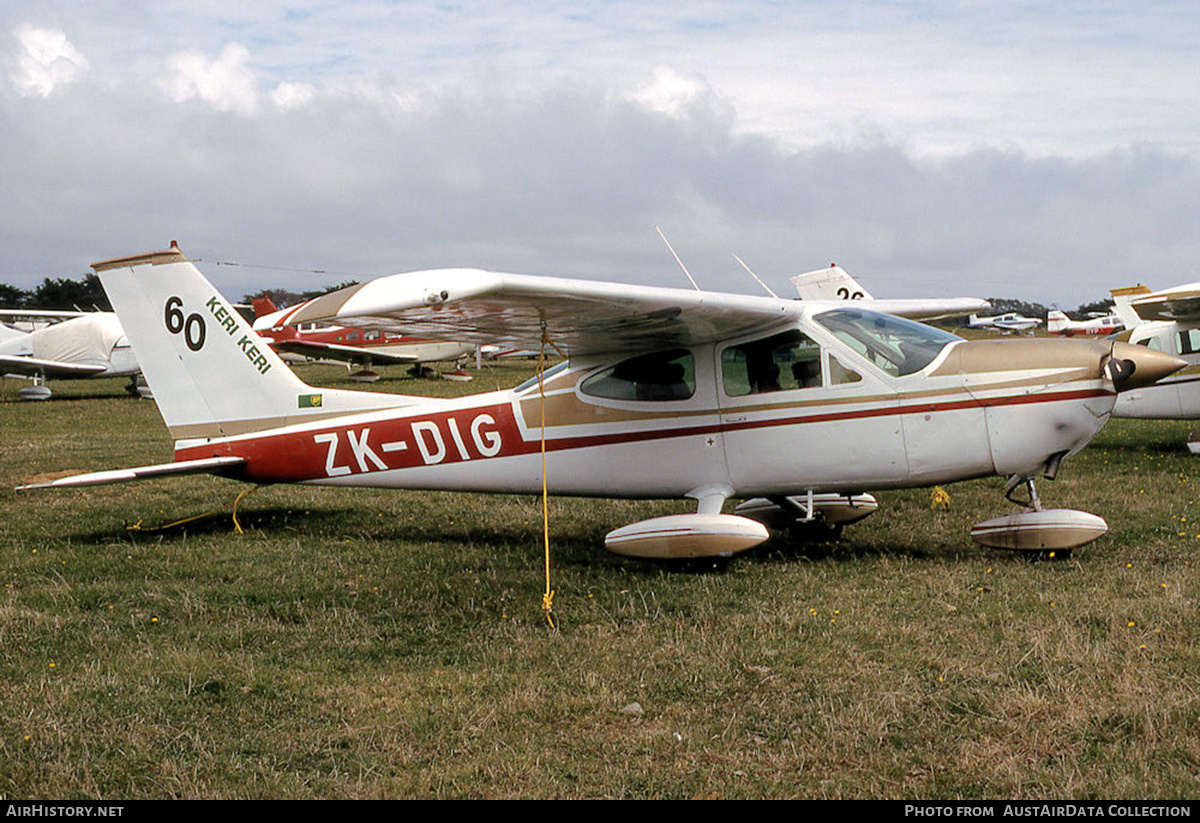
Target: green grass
(355, 643)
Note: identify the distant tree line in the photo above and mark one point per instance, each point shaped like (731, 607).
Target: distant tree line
(57, 293)
(1003, 305)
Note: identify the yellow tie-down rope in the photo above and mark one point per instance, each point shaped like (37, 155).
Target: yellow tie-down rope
(548, 595)
(237, 527)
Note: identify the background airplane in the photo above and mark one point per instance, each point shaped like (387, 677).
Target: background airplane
(87, 344)
(1008, 322)
(1166, 321)
(1058, 322)
(835, 283)
(666, 393)
(357, 348)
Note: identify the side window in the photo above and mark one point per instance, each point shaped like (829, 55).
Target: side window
(656, 377)
(1189, 341)
(1150, 343)
(839, 375)
(782, 362)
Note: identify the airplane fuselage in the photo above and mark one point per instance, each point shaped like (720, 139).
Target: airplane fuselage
(847, 426)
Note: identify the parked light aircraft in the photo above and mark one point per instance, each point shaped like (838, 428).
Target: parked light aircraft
(357, 348)
(835, 283)
(87, 344)
(665, 393)
(1057, 322)
(1007, 322)
(1166, 321)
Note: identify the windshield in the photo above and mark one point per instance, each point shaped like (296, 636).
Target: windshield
(896, 345)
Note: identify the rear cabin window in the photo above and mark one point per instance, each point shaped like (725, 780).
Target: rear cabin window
(783, 362)
(657, 377)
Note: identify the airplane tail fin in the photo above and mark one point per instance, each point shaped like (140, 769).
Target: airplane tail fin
(211, 374)
(833, 283)
(263, 306)
(1122, 298)
(1056, 321)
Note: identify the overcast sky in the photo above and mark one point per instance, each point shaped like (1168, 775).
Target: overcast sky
(1042, 151)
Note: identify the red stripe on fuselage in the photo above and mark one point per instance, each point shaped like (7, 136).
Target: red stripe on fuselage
(485, 432)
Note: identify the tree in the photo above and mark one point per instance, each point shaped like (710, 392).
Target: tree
(64, 293)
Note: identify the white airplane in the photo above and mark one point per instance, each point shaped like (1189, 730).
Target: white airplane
(1166, 321)
(1103, 325)
(1007, 322)
(835, 283)
(666, 393)
(88, 344)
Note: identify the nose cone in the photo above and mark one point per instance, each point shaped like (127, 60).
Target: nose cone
(1131, 367)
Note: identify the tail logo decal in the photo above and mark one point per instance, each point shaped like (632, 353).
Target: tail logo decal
(195, 330)
(192, 327)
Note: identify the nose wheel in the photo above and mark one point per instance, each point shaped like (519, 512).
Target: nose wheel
(1033, 503)
(1037, 532)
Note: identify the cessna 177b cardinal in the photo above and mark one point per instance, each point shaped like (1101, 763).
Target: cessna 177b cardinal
(665, 393)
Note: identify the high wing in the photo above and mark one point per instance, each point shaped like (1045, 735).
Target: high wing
(1177, 303)
(515, 310)
(333, 351)
(36, 367)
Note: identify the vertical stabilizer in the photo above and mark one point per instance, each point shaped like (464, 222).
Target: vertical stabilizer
(833, 283)
(211, 374)
(1122, 298)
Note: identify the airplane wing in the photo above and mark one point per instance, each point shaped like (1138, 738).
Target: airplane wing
(209, 465)
(922, 308)
(36, 367)
(511, 310)
(349, 354)
(1178, 303)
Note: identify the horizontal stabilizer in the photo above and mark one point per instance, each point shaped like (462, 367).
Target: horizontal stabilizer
(209, 465)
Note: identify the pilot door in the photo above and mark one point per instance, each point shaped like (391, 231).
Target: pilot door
(796, 416)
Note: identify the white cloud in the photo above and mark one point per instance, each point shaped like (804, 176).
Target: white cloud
(226, 83)
(288, 96)
(672, 93)
(47, 60)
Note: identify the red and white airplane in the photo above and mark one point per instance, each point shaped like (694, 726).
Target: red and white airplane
(666, 393)
(361, 348)
(1057, 322)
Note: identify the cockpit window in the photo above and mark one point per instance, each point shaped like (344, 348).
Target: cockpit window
(782, 362)
(659, 376)
(896, 345)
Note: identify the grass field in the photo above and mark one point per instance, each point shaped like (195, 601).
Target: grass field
(374, 644)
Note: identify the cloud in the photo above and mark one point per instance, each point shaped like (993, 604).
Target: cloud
(672, 93)
(46, 61)
(288, 96)
(226, 83)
